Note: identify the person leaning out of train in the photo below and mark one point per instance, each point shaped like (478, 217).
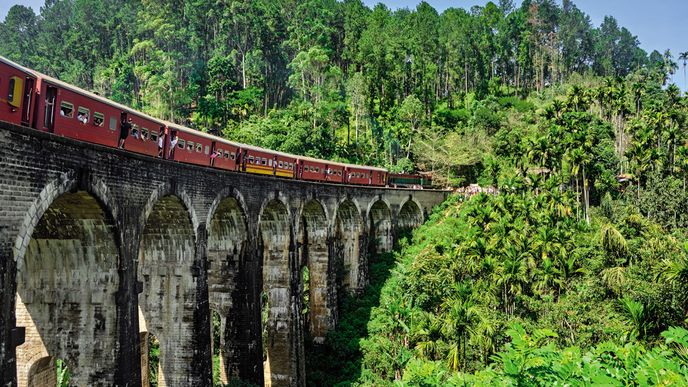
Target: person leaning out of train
(161, 140)
(173, 143)
(82, 117)
(125, 127)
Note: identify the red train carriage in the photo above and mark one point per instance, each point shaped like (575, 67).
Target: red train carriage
(17, 86)
(366, 175)
(320, 170)
(191, 146)
(226, 155)
(311, 169)
(335, 172)
(143, 137)
(69, 111)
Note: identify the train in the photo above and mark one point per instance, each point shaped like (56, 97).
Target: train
(47, 104)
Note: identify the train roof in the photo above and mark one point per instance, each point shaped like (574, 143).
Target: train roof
(259, 149)
(17, 66)
(174, 125)
(98, 98)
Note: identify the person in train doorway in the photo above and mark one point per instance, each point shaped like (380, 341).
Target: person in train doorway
(124, 129)
(161, 140)
(173, 144)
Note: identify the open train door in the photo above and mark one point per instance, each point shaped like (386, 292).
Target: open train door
(49, 114)
(27, 101)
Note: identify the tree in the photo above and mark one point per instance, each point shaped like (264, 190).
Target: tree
(683, 57)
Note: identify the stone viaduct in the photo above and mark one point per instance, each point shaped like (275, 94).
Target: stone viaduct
(103, 253)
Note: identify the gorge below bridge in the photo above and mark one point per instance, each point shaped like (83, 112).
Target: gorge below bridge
(101, 250)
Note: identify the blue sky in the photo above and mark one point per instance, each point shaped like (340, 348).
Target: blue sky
(659, 24)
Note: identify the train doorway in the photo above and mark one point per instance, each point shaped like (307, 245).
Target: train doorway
(49, 118)
(26, 102)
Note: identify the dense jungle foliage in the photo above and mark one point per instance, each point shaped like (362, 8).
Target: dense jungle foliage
(512, 289)
(575, 273)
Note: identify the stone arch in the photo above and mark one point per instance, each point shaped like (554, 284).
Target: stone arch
(169, 189)
(166, 259)
(349, 237)
(410, 216)
(227, 249)
(313, 235)
(67, 279)
(275, 239)
(67, 181)
(380, 226)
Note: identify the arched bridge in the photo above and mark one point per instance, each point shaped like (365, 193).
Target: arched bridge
(103, 253)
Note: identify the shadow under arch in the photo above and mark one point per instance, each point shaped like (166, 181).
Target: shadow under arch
(314, 270)
(67, 279)
(274, 233)
(166, 256)
(227, 286)
(349, 251)
(410, 216)
(380, 227)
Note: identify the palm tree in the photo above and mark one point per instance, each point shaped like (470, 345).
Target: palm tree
(684, 58)
(639, 317)
(674, 270)
(669, 65)
(613, 241)
(457, 324)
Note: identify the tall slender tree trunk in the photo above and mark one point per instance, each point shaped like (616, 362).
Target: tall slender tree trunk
(586, 197)
(465, 75)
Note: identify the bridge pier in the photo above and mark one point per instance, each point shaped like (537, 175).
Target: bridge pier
(98, 245)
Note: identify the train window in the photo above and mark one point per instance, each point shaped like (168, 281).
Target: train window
(98, 119)
(291, 166)
(207, 149)
(153, 136)
(113, 123)
(230, 156)
(135, 131)
(265, 162)
(83, 115)
(190, 145)
(145, 134)
(270, 162)
(14, 93)
(280, 164)
(199, 148)
(339, 173)
(250, 159)
(181, 144)
(66, 109)
(317, 169)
